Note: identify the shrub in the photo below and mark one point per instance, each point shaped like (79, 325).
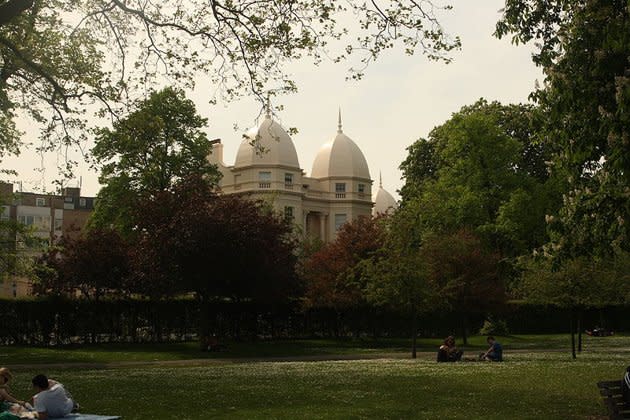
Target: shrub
(493, 326)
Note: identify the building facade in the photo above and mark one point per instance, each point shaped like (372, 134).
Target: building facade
(49, 217)
(266, 167)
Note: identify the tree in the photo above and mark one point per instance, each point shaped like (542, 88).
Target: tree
(96, 264)
(331, 278)
(396, 275)
(583, 50)
(519, 122)
(576, 285)
(147, 152)
(463, 273)
(218, 247)
(477, 169)
(59, 57)
(16, 240)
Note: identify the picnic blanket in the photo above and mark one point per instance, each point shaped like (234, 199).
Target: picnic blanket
(77, 416)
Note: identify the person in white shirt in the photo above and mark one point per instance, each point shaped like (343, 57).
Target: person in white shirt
(51, 399)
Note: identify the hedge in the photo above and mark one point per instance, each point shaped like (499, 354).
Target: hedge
(56, 321)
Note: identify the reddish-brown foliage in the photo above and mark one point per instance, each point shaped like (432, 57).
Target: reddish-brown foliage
(331, 280)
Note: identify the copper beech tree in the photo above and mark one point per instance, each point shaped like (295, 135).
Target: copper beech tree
(332, 280)
(463, 273)
(96, 264)
(216, 247)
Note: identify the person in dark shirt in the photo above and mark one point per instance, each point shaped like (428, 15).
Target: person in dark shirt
(495, 352)
(448, 351)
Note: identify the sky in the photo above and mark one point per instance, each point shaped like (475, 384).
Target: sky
(400, 99)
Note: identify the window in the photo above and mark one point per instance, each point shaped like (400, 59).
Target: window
(237, 181)
(264, 179)
(42, 222)
(361, 188)
(58, 224)
(340, 220)
(288, 180)
(40, 202)
(68, 200)
(82, 202)
(26, 220)
(288, 213)
(340, 190)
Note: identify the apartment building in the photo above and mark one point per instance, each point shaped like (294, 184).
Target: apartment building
(49, 216)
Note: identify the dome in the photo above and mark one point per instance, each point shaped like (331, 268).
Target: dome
(340, 158)
(384, 202)
(271, 146)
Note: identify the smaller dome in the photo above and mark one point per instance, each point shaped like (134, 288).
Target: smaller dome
(384, 202)
(340, 158)
(271, 146)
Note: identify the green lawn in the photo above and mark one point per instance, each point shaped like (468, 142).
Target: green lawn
(532, 383)
(106, 353)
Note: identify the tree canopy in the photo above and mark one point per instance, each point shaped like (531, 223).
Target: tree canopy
(477, 170)
(59, 58)
(583, 49)
(216, 246)
(331, 275)
(159, 143)
(96, 264)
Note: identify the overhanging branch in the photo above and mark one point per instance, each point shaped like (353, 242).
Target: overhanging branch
(13, 8)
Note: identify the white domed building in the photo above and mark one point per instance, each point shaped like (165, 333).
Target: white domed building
(384, 202)
(338, 190)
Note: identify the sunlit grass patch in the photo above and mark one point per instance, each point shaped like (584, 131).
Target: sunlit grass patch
(528, 385)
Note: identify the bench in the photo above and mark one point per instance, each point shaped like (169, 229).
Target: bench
(611, 393)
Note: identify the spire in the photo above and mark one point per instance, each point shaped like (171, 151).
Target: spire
(268, 107)
(380, 179)
(339, 130)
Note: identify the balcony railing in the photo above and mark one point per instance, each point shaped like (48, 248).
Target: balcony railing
(264, 185)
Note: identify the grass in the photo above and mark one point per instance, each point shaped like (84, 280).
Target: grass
(111, 353)
(532, 383)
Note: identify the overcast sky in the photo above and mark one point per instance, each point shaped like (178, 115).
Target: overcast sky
(400, 99)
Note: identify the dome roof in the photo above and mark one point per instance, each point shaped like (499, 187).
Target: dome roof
(384, 202)
(271, 146)
(340, 158)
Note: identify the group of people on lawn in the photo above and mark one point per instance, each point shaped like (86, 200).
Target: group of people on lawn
(448, 352)
(51, 399)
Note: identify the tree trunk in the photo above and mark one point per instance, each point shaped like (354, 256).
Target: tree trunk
(414, 333)
(464, 330)
(204, 325)
(572, 328)
(579, 331)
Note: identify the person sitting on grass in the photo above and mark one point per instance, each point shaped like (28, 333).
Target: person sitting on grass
(51, 399)
(494, 353)
(448, 351)
(5, 396)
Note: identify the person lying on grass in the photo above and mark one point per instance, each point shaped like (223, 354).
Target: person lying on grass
(51, 399)
(494, 353)
(5, 396)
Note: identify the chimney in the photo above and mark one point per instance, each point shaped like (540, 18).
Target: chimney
(217, 152)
